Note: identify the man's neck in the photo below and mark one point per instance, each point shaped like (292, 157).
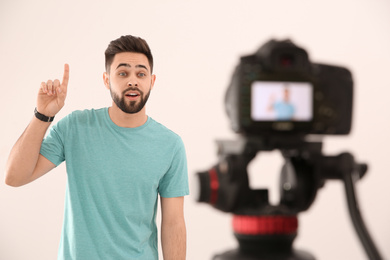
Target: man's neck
(123, 119)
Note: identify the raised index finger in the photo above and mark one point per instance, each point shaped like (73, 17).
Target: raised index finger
(65, 79)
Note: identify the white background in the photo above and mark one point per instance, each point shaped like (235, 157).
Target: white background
(196, 45)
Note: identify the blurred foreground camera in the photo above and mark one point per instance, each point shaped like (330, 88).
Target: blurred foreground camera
(276, 100)
(277, 91)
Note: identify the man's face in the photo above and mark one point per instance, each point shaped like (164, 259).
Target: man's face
(130, 81)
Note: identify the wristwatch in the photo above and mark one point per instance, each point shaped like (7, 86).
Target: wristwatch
(42, 117)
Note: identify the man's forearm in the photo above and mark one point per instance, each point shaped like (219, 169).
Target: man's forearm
(24, 155)
(173, 241)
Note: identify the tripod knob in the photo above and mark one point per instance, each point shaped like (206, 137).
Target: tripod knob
(265, 225)
(266, 236)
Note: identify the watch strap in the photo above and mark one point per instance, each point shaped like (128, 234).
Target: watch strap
(42, 117)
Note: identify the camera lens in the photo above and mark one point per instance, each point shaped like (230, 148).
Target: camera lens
(203, 187)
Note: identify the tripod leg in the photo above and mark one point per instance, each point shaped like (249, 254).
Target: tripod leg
(353, 207)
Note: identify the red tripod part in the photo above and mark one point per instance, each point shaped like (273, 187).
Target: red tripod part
(214, 186)
(265, 225)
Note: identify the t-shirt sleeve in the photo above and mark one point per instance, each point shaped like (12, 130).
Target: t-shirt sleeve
(52, 147)
(175, 181)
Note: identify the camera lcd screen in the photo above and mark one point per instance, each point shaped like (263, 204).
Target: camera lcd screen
(281, 101)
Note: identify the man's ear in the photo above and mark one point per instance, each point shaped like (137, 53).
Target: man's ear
(153, 80)
(106, 79)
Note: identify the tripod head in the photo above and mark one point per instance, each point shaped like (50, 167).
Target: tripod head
(305, 170)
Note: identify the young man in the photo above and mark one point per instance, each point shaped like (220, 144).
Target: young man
(118, 161)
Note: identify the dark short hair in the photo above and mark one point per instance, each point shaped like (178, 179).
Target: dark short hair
(127, 43)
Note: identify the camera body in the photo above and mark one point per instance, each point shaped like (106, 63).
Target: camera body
(278, 92)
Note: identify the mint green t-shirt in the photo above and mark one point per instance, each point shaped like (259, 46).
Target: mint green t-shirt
(114, 177)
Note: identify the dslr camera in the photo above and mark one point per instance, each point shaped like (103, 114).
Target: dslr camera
(277, 92)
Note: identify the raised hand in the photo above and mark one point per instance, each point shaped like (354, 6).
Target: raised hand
(52, 94)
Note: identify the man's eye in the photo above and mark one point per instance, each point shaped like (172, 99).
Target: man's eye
(141, 74)
(122, 74)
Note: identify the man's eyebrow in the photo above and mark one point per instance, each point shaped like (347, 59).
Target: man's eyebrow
(123, 65)
(129, 66)
(141, 66)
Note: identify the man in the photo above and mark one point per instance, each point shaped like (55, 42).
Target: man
(118, 161)
(283, 108)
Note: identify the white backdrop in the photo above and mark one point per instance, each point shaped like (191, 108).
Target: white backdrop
(196, 45)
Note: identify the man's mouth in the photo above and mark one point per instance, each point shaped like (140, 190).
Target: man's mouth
(132, 95)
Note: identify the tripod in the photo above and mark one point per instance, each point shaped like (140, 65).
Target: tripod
(266, 232)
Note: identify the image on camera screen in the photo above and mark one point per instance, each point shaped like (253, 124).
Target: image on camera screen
(281, 101)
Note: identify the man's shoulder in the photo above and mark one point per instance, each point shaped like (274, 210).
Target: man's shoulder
(157, 126)
(82, 117)
(164, 133)
(88, 112)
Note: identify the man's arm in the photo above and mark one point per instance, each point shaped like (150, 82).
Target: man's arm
(271, 103)
(25, 164)
(173, 228)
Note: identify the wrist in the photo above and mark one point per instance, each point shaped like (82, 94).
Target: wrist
(43, 117)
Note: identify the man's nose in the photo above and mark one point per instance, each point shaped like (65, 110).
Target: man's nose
(132, 84)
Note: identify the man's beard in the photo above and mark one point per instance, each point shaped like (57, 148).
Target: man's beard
(131, 107)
